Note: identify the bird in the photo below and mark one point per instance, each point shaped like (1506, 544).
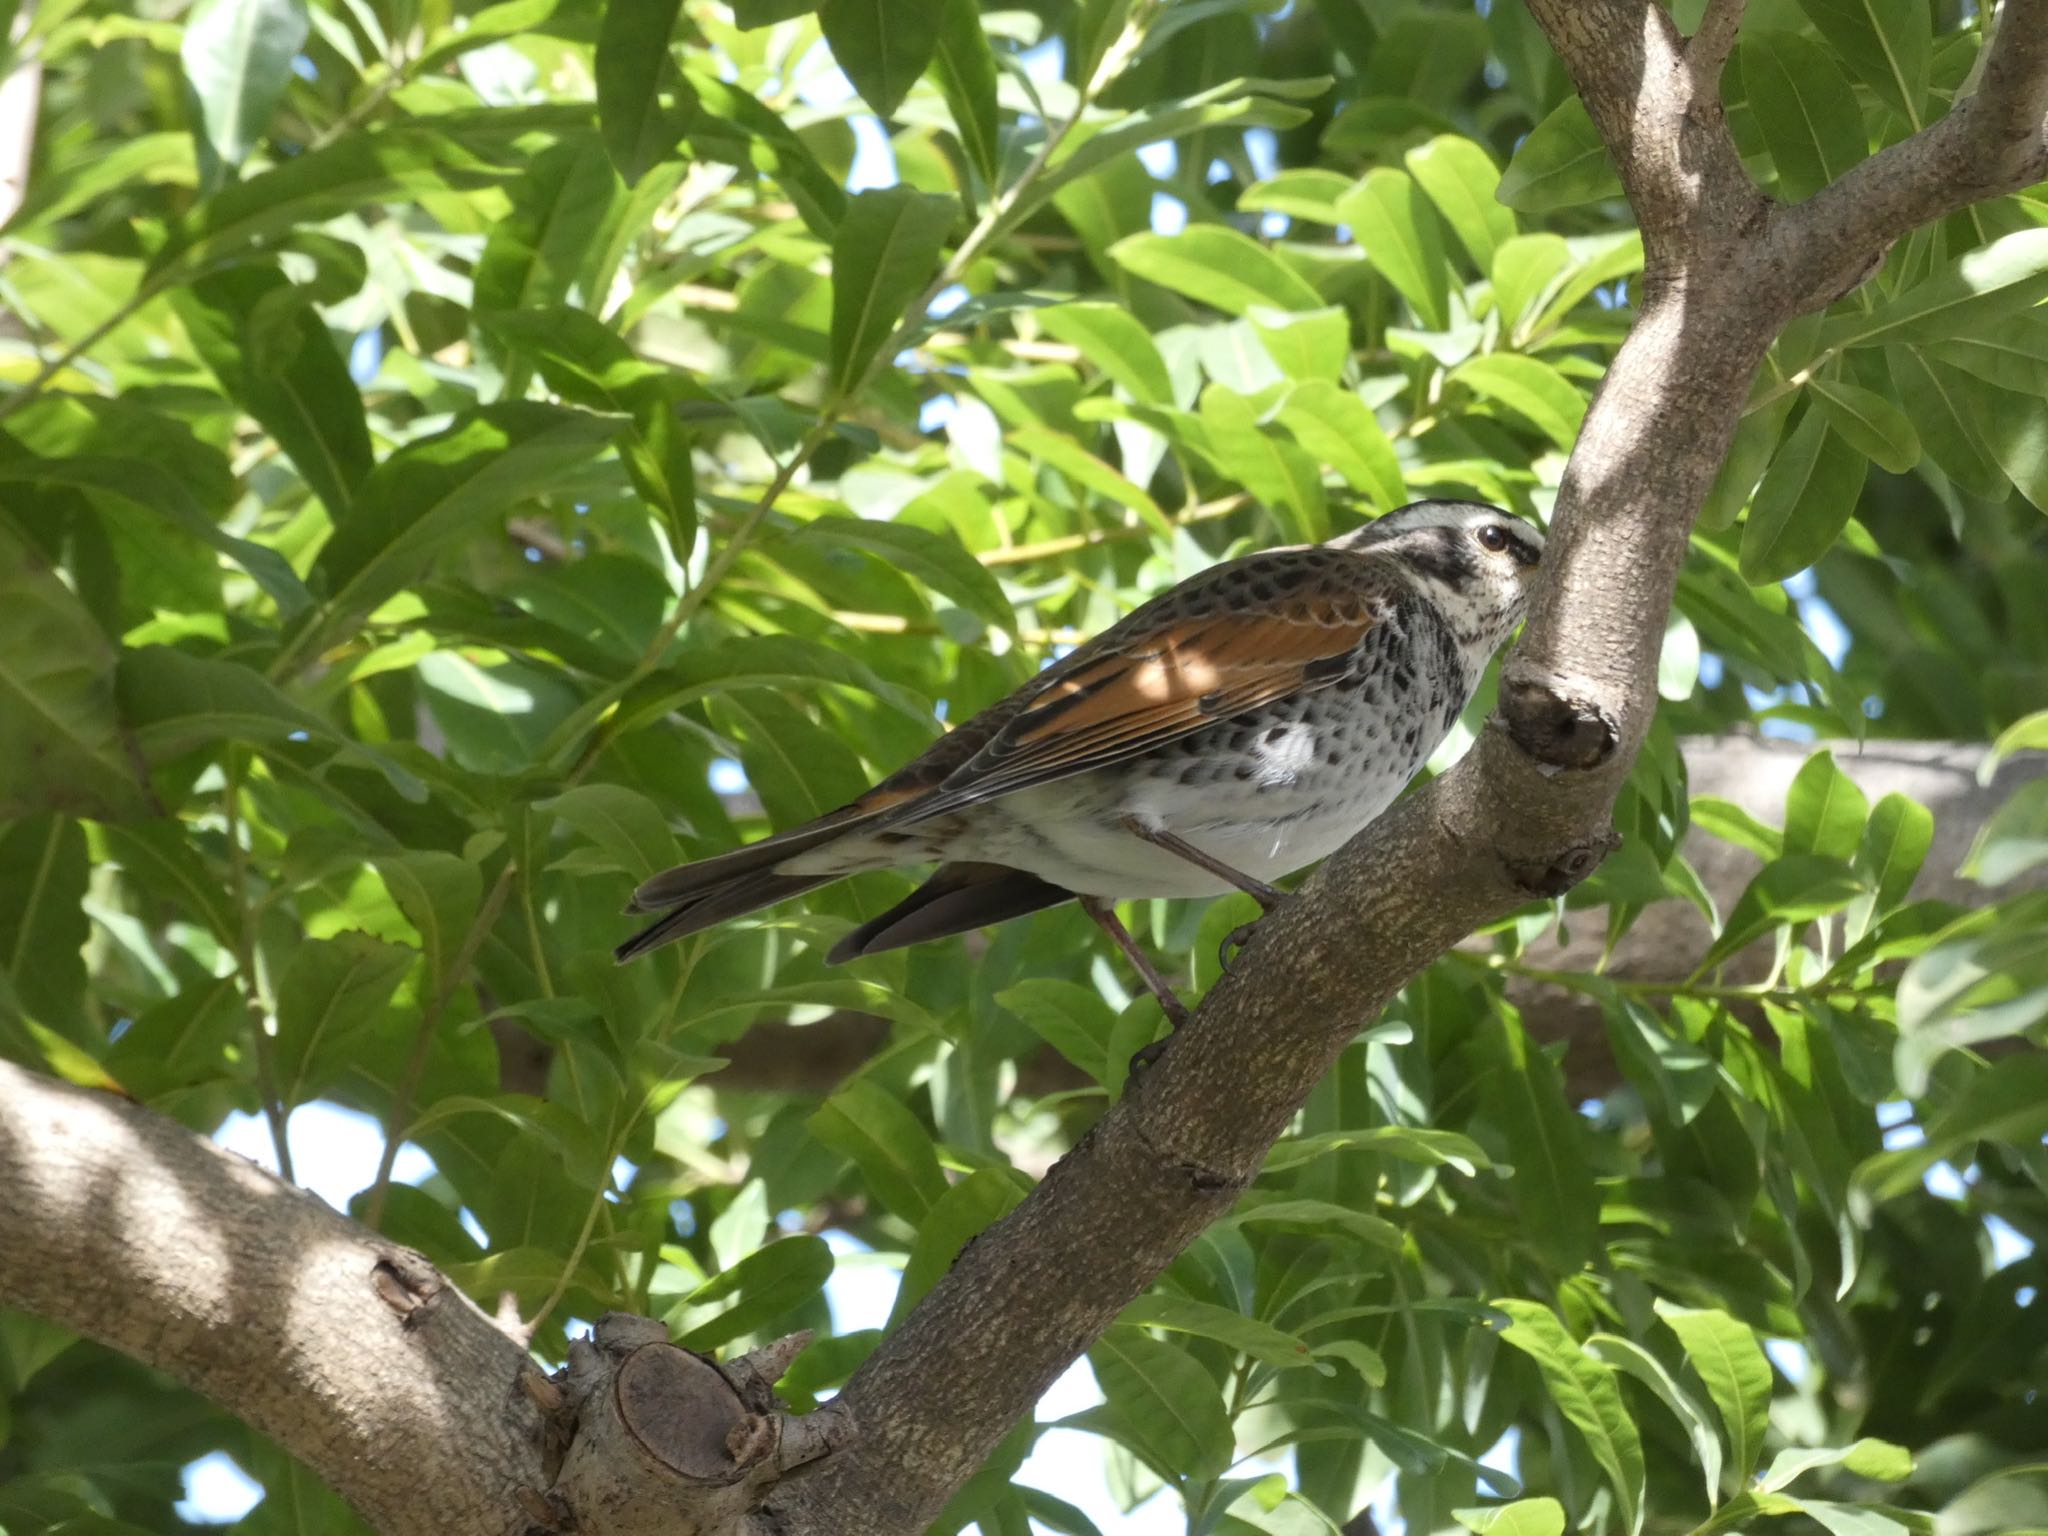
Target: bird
(1235, 728)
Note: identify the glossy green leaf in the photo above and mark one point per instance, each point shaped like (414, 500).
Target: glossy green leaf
(1936, 400)
(332, 993)
(1806, 109)
(1337, 427)
(1274, 470)
(1113, 340)
(1869, 423)
(1216, 266)
(1893, 847)
(767, 1284)
(1524, 1517)
(238, 59)
(1878, 1460)
(1824, 810)
(1394, 223)
(885, 253)
(1561, 164)
(632, 69)
(1731, 1365)
(1804, 502)
(1587, 1395)
(932, 558)
(1247, 1335)
(1462, 180)
(883, 45)
(1532, 389)
(1632, 1360)
(965, 68)
(1887, 45)
(1976, 292)
(1791, 890)
(956, 1218)
(866, 1123)
(1306, 193)
(1166, 1400)
(67, 751)
(1552, 1188)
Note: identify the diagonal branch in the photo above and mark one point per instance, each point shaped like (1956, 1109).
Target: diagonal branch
(344, 1348)
(1707, 50)
(1993, 141)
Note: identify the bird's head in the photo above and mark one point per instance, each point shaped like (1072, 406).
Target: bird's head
(1476, 561)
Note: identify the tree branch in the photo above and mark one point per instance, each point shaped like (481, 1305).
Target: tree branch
(348, 1350)
(1993, 141)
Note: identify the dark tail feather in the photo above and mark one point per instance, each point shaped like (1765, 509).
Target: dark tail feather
(688, 882)
(956, 898)
(744, 893)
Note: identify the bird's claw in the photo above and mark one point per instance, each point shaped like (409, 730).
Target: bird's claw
(1233, 942)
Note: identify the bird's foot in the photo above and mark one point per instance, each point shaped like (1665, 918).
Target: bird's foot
(1234, 941)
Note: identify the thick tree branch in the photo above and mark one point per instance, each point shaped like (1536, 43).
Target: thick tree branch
(349, 1351)
(1992, 141)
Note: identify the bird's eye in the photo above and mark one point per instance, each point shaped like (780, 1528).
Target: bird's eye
(1493, 538)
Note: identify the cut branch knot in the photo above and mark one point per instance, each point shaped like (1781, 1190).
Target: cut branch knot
(1557, 724)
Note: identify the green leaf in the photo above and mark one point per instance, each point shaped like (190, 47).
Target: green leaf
(1869, 422)
(43, 921)
(440, 489)
(2015, 430)
(626, 826)
(1888, 44)
(65, 748)
(1524, 270)
(293, 381)
(1072, 1019)
(1561, 164)
(133, 483)
(546, 248)
(1532, 389)
(1305, 193)
(1893, 848)
(1736, 1373)
(883, 45)
(1274, 470)
(2014, 840)
(1165, 1400)
(1824, 810)
(1524, 1517)
(769, 1283)
(884, 254)
(1587, 1395)
(332, 994)
(1461, 179)
(2012, 355)
(1235, 104)
(1631, 1359)
(1323, 1216)
(1247, 1335)
(1969, 987)
(936, 560)
(1338, 428)
(1794, 889)
(1807, 111)
(1393, 223)
(1804, 502)
(238, 59)
(1217, 266)
(965, 67)
(1552, 1188)
(866, 1123)
(1115, 342)
(439, 894)
(582, 359)
(1878, 1460)
(738, 130)
(1424, 1145)
(1975, 293)
(1937, 400)
(1314, 345)
(631, 68)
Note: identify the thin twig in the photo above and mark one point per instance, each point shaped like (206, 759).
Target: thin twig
(1707, 50)
(244, 943)
(423, 1041)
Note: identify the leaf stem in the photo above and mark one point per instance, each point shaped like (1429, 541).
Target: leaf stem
(423, 1040)
(244, 937)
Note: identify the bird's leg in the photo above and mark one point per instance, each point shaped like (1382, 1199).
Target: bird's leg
(1267, 896)
(1104, 912)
